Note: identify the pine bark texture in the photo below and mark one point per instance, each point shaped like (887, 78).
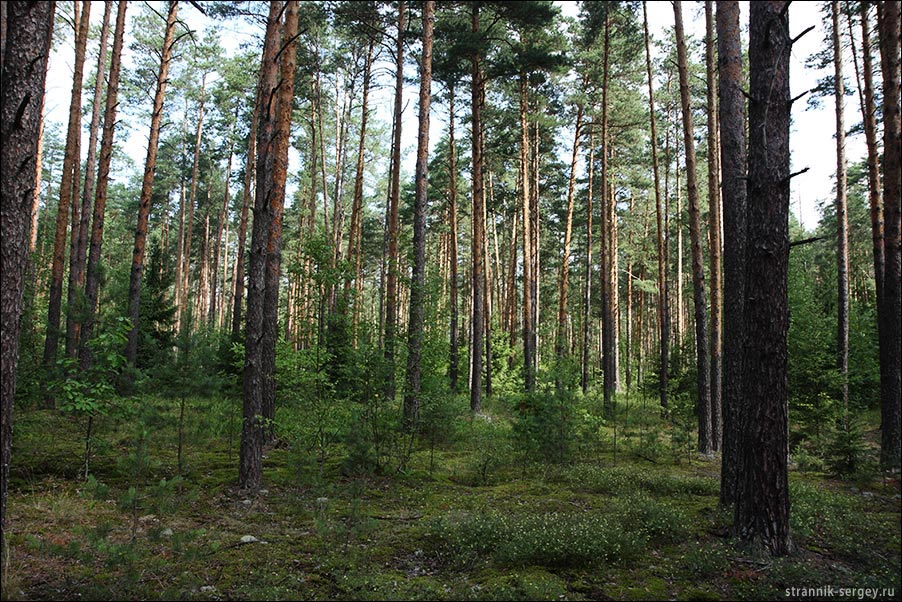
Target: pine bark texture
(705, 442)
(732, 113)
(22, 77)
(842, 215)
(150, 164)
(762, 509)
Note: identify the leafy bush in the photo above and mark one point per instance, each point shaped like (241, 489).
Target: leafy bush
(543, 426)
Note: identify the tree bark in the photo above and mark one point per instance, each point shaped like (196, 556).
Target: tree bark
(477, 323)
(891, 377)
(663, 307)
(608, 326)
(92, 273)
(391, 277)
(561, 343)
(455, 283)
(731, 110)
(137, 270)
(418, 279)
(842, 218)
(714, 243)
(74, 313)
(250, 468)
(705, 443)
(220, 226)
(762, 510)
(587, 284)
(26, 48)
(68, 188)
(249, 169)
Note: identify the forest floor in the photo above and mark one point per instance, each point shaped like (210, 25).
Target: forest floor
(465, 520)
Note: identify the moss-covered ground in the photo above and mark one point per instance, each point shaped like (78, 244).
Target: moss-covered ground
(465, 519)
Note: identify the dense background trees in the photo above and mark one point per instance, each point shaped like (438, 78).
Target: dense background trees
(277, 240)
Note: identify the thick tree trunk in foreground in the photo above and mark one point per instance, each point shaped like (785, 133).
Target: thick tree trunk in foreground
(68, 188)
(137, 271)
(705, 443)
(762, 510)
(418, 279)
(22, 77)
(455, 283)
(891, 321)
(733, 166)
(529, 376)
(587, 284)
(92, 273)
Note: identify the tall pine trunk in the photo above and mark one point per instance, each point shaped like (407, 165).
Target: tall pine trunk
(842, 217)
(391, 277)
(92, 272)
(240, 259)
(587, 279)
(714, 242)
(477, 321)
(137, 270)
(733, 166)
(762, 509)
(22, 78)
(68, 190)
(454, 334)
(705, 443)
(891, 321)
(663, 307)
(74, 314)
(418, 279)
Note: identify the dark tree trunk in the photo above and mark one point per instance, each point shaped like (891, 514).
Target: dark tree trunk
(705, 443)
(92, 273)
(418, 280)
(253, 430)
(68, 188)
(762, 510)
(663, 307)
(891, 375)
(26, 48)
(137, 270)
(529, 376)
(74, 313)
(733, 167)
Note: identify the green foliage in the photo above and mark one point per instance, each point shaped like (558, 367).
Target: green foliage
(847, 455)
(543, 426)
(490, 446)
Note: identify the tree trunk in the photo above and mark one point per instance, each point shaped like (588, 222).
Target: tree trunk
(68, 188)
(391, 277)
(455, 304)
(250, 469)
(418, 280)
(663, 307)
(92, 273)
(714, 242)
(220, 225)
(587, 284)
(137, 270)
(25, 52)
(842, 218)
(891, 376)
(561, 343)
(733, 165)
(477, 323)
(762, 510)
(249, 169)
(705, 443)
(608, 338)
(529, 376)
(74, 314)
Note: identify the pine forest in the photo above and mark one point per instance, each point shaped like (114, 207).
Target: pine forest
(458, 300)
